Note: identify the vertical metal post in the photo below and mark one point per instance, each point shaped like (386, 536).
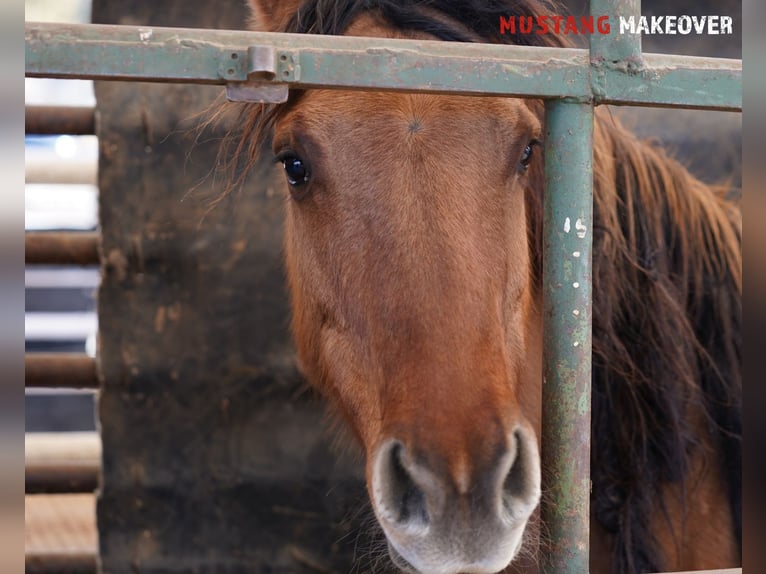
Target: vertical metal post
(614, 51)
(567, 280)
(615, 47)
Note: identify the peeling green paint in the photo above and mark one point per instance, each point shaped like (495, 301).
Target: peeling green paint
(566, 335)
(206, 57)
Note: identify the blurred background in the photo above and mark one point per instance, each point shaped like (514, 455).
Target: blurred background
(60, 195)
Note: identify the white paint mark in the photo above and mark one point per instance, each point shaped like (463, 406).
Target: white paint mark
(575, 284)
(576, 312)
(575, 254)
(145, 34)
(576, 344)
(580, 227)
(567, 225)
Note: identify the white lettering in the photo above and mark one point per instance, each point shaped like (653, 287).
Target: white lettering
(581, 228)
(726, 25)
(712, 25)
(684, 25)
(643, 26)
(627, 25)
(670, 24)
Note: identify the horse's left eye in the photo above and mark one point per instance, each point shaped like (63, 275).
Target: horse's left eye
(296, 170)
(526, 157)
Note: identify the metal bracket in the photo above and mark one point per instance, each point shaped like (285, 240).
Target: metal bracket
(262, 68)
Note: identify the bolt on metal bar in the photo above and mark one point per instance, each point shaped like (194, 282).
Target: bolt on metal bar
(61, 248)
(56, 120)
(239, 60)
(567, 283)
(57, 370)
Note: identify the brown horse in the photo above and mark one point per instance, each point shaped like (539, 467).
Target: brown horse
(413, 253)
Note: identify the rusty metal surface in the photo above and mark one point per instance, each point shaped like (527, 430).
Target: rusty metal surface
(567, 313)
(54, 120)
(61, 248)
(60, 370)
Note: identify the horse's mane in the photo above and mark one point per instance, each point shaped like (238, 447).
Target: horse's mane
(666, 290)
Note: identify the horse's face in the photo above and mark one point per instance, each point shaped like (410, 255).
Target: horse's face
(408, 262)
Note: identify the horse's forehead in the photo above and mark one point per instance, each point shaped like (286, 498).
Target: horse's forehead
(388, 113)
(415, 108)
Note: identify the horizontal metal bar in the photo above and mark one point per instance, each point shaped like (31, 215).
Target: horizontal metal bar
(671, 81)
(55, 120)
(60, 370)
(221, 56)
(61, 462)
(60, 563)
(53, 247)
(309, 61)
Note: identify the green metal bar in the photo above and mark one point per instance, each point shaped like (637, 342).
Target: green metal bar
(567, 281)
(307, 61)
(302, 61)
(671, 82)
(615, 47)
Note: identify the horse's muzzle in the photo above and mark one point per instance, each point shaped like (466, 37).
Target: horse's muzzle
(438, 521)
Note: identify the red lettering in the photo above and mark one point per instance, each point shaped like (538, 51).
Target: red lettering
(556, 21)
(528, 28)
(542, 22)
(545, 24)
(603, 25)
(571, 26)
(508, 24)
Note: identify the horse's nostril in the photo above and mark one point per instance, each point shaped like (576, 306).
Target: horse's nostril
(515, 480)
(403, 498)
(519, 485)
